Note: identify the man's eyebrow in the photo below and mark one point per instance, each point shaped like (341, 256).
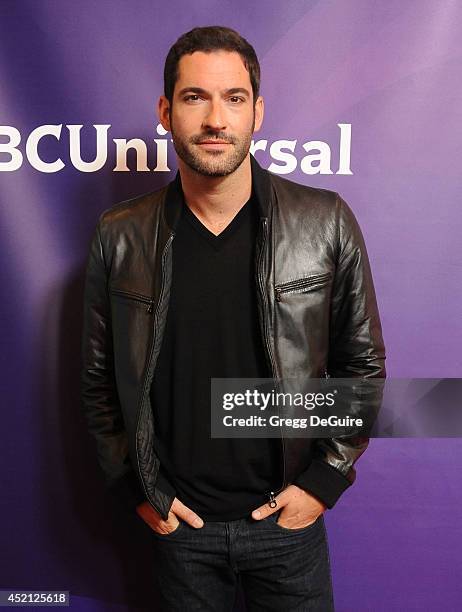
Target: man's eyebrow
(200, 90)
(236, 90)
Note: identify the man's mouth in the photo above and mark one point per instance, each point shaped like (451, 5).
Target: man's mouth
(213, 142)
(213, 145)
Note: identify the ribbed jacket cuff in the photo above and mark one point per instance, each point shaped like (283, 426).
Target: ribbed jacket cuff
(323, 481)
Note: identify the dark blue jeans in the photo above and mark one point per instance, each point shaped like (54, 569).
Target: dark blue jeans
(279, 569)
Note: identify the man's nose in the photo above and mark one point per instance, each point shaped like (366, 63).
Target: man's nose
(214, 118)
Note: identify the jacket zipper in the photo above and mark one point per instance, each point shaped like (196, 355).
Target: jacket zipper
(150, 302)
(151, 352)
(298, 285)
(271, 494)
(137, 297)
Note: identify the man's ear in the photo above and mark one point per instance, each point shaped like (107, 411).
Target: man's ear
(163, 112)
(259, 113)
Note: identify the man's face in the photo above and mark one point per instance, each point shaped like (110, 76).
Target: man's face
(213, 116)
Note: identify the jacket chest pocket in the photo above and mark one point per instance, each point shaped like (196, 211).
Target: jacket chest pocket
(131, 322)
(137, 299)
(306, 284)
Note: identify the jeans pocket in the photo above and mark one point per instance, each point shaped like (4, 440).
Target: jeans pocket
(170, 534)
(312, 525)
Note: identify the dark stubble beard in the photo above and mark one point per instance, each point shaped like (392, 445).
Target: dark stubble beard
(213, 163)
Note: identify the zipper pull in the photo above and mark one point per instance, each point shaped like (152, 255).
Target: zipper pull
(149, 308)
(278, 295)
(272, 502)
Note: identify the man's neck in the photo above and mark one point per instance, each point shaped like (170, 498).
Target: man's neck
(216, 200)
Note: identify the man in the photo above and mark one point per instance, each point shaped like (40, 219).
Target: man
(226, 272)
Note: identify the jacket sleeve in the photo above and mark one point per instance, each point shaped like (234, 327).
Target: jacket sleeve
(356, 349)
(98, 388)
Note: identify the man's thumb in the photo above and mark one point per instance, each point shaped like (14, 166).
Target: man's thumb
(185, 513)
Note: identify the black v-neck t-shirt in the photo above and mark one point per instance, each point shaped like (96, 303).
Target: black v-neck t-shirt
(212, 330)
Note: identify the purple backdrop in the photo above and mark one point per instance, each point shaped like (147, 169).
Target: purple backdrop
(390, 73)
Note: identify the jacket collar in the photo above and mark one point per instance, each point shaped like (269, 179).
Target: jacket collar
(261, 188)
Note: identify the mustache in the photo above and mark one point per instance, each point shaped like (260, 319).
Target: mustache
(222, 136)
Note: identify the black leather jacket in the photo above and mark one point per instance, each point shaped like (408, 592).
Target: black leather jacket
(309, 242)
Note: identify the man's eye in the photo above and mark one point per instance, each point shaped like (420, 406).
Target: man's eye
(192, 97)
(236, 99)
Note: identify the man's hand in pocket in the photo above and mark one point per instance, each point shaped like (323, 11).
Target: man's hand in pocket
(177, 510)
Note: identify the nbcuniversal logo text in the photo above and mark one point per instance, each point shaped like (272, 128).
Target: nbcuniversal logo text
(313, 156)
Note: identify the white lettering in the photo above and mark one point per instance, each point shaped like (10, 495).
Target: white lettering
(284, 153)
(260, 145)
(32, 148)
(15, 161)
(122, 146)
(161, 146)
(335, 421)
(75, 148)
(345, 149)
(277, 153)
(323, 157)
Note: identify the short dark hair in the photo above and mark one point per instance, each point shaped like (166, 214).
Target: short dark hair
(207, 39)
